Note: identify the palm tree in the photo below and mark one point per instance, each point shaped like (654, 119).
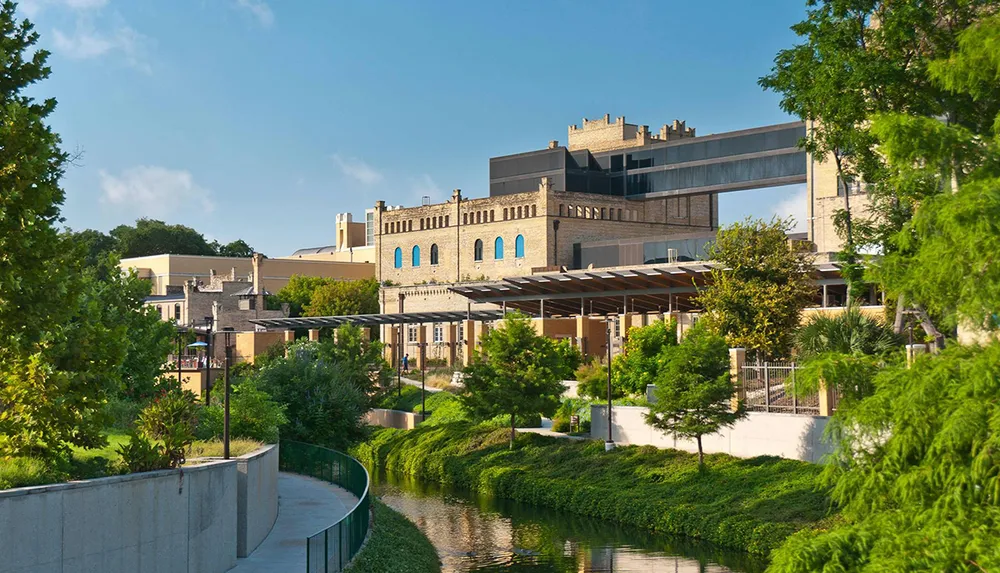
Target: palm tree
(850, 332)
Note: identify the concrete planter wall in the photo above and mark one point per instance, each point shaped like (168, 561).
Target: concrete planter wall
(393, 419)
(257, 492)
(192, 520)
(180, 521)
(791, 436)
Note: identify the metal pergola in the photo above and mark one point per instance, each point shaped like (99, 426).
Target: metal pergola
(641, 289)
(377, 319)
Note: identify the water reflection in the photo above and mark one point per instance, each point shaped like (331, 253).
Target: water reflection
(480, 534)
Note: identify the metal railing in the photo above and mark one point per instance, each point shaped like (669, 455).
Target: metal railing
(334, 547)
(766, 387)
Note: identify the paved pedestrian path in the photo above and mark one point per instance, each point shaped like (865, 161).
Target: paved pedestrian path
(305, 506)
(546, 430)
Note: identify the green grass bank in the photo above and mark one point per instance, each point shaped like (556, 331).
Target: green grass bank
(396, 545)
(747, 504)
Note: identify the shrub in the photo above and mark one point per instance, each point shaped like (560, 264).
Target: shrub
(593, 378)
(122, 413)
(252, 413)
(850, 332)
(141, 455)
(171, 418)
(639, 364)
(24, 472)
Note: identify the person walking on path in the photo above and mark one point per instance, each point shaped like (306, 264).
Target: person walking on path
(406, 363)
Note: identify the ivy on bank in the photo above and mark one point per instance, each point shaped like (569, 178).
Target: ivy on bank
(748, 504)
(395, 546)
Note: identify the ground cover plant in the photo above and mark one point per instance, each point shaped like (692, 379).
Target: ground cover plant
(749, 504)
(395, 545)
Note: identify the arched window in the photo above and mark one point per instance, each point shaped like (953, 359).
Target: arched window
(477, 250)
(479, 216)
(519, 212)
(571, 211)
(397, 258)
(416, 256)
(434, 254)
(519, 247)
(422, 224)
(562, 210)
(491, 215)
(504, 213)
(498, 248)
(465, 218)
(534, 210)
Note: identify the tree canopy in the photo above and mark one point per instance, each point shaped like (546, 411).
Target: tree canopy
(517, 372)
(757, 293)
(643, 356)
(693, 388)
(153, 237)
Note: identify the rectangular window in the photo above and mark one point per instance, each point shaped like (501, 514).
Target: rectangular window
(370, 227)
(411, 333)
(461, 332)
(177, 312)
(438, 333)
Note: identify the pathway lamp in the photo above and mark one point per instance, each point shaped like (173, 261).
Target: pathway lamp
(225, 425)
(423, 377)
(609, 444)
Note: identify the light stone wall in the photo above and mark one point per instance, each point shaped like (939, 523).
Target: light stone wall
(791, 436)
(823, 204)
(180, 521)
(602, 134)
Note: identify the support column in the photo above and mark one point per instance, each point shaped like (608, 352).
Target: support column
(581, 333)
(825, 399)
(470, 341)
(737, 358)
(314, 334)
(421, 340)
(289, 338)
(449, 338)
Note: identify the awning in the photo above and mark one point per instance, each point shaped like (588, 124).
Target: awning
(377, 319)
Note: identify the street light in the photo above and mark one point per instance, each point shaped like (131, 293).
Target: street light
(225, 426)
(208, 358)
(610, 443)
(423, 377)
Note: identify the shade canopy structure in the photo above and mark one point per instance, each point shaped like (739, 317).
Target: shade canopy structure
(377, 319)
(198, 344)
(640, 289)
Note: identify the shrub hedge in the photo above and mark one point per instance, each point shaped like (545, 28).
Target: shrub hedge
(395, 546)
(748, 504)
(444, 407)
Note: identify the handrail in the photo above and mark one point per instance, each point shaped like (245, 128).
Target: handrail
(330, 549)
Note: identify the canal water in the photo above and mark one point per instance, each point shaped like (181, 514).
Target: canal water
(474, 533)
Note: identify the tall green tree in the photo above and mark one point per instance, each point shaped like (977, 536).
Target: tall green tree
(694, 390)
(856, 60)
(915, 472)
(298, 292)
(237, 248)
(759, 286)
(517, 372)
(340, 297)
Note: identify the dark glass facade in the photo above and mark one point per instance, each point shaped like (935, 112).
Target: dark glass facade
(663, 167)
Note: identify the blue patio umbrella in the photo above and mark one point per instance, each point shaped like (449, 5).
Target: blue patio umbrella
(198, 344)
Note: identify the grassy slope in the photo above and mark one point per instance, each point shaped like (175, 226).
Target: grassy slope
(396, 545)
(748, 504)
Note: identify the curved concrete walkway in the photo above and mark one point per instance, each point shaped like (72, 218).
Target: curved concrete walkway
(305, 506)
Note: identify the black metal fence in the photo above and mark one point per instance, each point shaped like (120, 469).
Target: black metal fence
(334, 547)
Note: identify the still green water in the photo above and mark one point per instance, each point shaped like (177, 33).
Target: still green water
(474, 533)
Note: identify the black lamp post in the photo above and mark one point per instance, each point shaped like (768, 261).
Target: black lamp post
(225, 427)
(180, 341)
(399, 361)
(423, 377)
(610, 443)
(208, 358)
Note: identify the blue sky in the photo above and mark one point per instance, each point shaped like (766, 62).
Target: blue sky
(262, 120)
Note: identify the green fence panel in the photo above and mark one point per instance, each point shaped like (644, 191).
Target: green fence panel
(328, 551)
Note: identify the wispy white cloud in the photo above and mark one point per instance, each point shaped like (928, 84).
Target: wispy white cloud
(795, 206)
(258, 9)
(87, 43)
(425, 186)
(357, 169)
(150, 190)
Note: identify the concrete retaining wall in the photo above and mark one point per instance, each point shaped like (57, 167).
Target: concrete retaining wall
(257, 498)
(790, 436)
(166, 521)
(393, 419)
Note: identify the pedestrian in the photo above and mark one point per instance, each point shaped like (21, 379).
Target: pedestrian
(406, 363)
